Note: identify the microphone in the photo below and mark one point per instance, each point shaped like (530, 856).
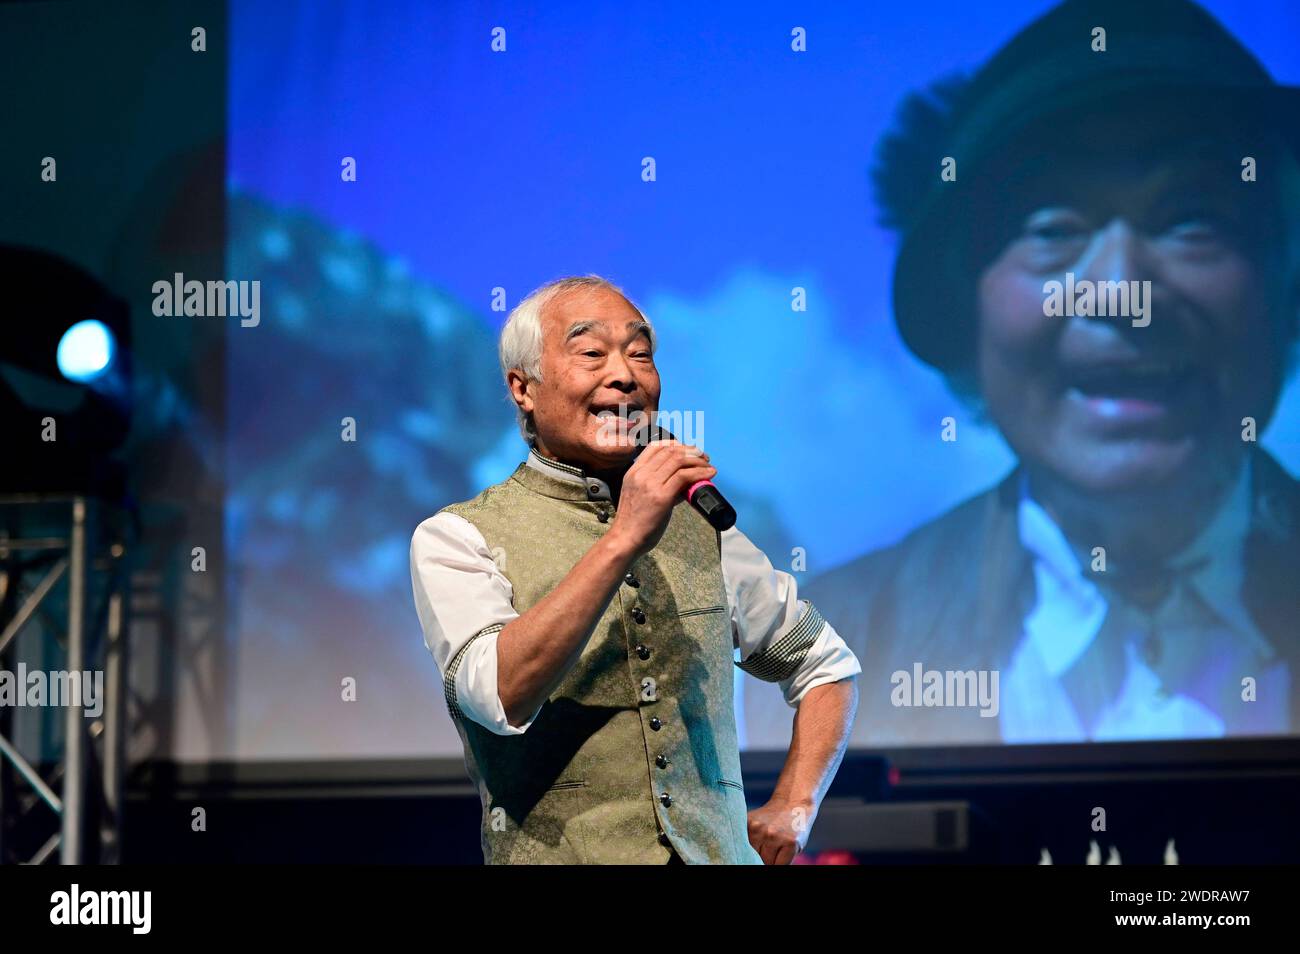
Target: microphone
(703, 495)
(708, 500)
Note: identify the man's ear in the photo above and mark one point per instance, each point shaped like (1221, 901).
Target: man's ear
(519, 391)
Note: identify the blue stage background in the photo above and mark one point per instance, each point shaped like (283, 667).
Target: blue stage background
(478, 170)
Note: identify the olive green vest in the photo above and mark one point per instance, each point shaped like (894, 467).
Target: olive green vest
(636, 749)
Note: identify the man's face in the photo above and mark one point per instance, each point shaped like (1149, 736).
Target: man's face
(598, 377)
(1102, 404)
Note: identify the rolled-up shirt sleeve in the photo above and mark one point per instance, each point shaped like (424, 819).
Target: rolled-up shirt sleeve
(781, 638)
(463, 601)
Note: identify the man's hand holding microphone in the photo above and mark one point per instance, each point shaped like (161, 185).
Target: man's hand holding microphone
(537, 649)
(655, 483)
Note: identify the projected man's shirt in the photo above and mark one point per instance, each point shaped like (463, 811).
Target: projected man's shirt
(1092, 665)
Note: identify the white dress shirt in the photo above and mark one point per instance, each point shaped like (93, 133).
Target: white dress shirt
(461, 593)
(1202, 625)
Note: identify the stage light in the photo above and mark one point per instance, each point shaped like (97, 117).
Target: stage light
(71, 370)
(86, 351)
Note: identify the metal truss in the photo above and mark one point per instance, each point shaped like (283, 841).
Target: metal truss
(85, 782)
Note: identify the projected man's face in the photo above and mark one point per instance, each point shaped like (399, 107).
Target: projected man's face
(599, 380)
(1129, 402)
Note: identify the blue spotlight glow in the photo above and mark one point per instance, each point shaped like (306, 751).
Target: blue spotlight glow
(86, 351)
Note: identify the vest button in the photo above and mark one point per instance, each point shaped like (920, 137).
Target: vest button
(661, 761)
(602, 515)
(656, 723)
(643, 652)
(666, 800)
(638, 614)
(631, 580)
(665, 840)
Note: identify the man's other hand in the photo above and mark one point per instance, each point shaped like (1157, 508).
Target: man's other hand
(779, 830)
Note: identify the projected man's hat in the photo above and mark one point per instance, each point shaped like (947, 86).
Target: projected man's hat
(1050, 67)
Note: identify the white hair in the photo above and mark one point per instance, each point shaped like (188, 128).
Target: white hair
(520, 348)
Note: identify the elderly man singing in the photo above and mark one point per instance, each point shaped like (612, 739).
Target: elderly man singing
(584, 615)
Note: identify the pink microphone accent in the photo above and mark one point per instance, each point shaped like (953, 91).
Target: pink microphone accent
(690, 491)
